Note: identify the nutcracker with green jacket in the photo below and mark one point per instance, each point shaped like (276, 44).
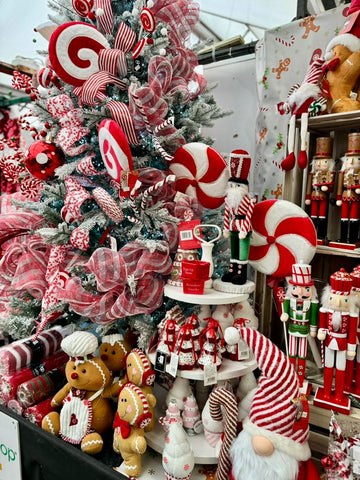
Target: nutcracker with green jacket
(301, 309)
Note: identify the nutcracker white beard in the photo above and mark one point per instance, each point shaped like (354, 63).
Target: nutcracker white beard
(235, 195)
(246, 464)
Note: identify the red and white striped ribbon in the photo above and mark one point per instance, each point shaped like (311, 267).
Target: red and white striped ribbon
(106, 20)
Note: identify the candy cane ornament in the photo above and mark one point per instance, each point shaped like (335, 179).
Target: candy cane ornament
(221, 397)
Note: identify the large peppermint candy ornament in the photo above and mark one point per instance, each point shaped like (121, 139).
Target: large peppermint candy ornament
(283, 234)
(201, 172)
(83, 7)
(114, 149)
(74, 50)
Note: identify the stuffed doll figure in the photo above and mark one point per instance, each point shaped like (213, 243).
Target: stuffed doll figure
(140, 373)
(86, 411)
(112, 351)
(132, 416)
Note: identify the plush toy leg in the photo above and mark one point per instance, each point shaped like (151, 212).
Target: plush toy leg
(289, 162)
(303, 160)
(231, 273)
(354, 231)
(51, 423)
(92, 443)
(240, 276)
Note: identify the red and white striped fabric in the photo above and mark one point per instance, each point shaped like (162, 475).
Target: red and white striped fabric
(106, 20)
(22, 353)
(128, 281)
(273, 413)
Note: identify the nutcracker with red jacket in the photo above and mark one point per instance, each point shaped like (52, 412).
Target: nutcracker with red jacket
(300, 308)
(352, 381)
(239, 207)
(321, 181)
(337, 328)
(348, 194)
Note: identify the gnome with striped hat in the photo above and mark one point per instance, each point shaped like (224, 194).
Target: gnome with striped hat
(237, 218)
(274, 441)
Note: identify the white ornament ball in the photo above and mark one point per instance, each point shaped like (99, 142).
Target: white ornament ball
(99, 12)
(162, 52)
(150, 4)
(163, 31)
(231, 336)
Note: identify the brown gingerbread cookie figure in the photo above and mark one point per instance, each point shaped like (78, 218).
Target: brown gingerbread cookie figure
(86, 412)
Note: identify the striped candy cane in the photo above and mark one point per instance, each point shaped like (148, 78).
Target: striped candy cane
(220, 397)
(167, 123)
(155, 188)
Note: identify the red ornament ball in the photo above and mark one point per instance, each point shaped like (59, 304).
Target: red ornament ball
(43, 158)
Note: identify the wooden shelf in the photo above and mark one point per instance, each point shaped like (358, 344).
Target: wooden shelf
(228, 369)
(209, 297)
(338, 251)
(334, 121)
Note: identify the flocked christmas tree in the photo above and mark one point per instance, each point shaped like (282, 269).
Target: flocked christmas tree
(118, 162)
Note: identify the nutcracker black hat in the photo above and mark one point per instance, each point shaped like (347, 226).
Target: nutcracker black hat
(240, 162)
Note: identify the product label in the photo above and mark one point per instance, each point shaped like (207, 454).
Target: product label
(10, 460)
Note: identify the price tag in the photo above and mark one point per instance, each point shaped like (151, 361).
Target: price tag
(160, 361)
(113, 244)
(356, 467)
(174, 362)
(210, 374)
(187, 241)
(355, 452)
(243, 351)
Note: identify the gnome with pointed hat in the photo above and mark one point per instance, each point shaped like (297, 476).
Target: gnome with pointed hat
(237, 218)
(274, 441)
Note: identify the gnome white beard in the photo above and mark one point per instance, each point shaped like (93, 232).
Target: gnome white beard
(247, 464)
(235, 195)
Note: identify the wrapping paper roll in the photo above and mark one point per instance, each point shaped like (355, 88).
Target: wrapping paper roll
(15, 406)
(41, 387)
(37, 412)
(9, 383)
(25, 352)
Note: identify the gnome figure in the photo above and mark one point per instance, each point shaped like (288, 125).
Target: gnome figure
(237, 220)
(274, 441)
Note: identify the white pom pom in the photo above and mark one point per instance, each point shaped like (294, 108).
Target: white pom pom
(150, 4)
(163, 31)
(162, 52)
(99, 12)
(231, 335)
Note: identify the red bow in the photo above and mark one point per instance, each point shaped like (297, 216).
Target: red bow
(125, 427)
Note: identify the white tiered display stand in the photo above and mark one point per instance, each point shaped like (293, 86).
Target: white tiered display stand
(205, 455)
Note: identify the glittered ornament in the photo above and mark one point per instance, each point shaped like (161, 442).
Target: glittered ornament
(43, 158)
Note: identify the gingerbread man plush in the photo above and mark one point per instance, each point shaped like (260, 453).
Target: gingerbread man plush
(132, 416)
(140, 373)
(86, 412)
(113, 351)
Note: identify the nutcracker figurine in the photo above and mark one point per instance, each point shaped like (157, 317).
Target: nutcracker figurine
(348, 194)
(337, 326)
(301, 308)
(352, 380)
(320, 184)
(237, 220)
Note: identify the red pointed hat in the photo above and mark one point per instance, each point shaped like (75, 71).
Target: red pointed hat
(274, 413)
(240, 163)
(341, 282)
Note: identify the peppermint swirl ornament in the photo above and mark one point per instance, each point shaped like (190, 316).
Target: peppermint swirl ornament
(74, 50)
(147, 19)
(201, 172)
(83, 7)
(114, 148)
(283, 234)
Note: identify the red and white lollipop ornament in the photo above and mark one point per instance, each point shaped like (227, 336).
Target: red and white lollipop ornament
(114, 149)
(74, 49)
(282, 235)
(201, 172)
